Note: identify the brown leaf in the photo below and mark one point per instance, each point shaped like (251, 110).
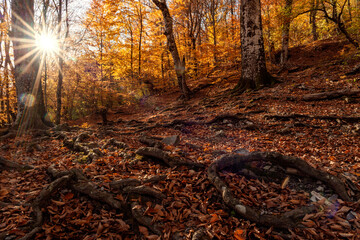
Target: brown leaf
(3, 193)
(269, 203)
(336, 227)
(285, 182)
(58, 203)
(347, 235)
(99, 229)
(68, 196)
(153, 237)
(309, 224)
(144, 231)
(203, 218)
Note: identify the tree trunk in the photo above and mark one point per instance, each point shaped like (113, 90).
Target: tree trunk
(140, 41)
(44, 28)
(254, 73)
(31, 110)
(286, 32)
(130, 30)
(8, 69)
(314, 5)
(61, 68)
(178, 64)
(7, 73)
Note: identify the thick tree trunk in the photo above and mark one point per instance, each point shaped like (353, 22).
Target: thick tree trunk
(44, 28)
(286, 32)
(254, 73)
(31, 110)
(178, 64)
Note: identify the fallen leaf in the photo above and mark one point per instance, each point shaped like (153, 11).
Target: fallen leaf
(58, 203)
(68, 196)
(285, 182)
(239, 234)
(214, 218)
(3, 193)
(144, 231)
(152, 237)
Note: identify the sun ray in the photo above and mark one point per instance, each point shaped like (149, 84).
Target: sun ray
(27, 55)
(37, 46)
(32, 61)
(24, 40)
(28, 30)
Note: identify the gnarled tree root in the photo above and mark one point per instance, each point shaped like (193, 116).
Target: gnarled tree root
(75, 180)
(286, 220)
(152, 152)
(42, 201)
(9, 165)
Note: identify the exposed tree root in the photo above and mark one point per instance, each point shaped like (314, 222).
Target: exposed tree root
(90, 150)
(144, 190)
(200, 235)
(42, 201)
(170, 161)
(31, 235)
(234, 118)
(332, 118)
(330, 95)
(143, 220)
(130, 182)
(286, 220)
(354, 71)
(151, 141)
(75, 180)
(113, 142)
(8, 135)
(9, 165)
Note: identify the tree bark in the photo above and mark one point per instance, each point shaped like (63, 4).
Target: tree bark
(254, 73)
(31, 110)
(314, 5)
(178, 63)
(286, 32)
(141, 22)
(61, 68)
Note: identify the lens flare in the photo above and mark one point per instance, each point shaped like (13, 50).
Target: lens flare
(27, 99)
(47, 43)
(49, 117)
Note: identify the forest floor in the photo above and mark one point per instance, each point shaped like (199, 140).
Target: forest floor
(133, 184)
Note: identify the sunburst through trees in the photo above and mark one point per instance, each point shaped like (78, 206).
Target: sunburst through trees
(30, 51)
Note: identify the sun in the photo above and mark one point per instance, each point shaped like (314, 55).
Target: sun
(47, 43)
